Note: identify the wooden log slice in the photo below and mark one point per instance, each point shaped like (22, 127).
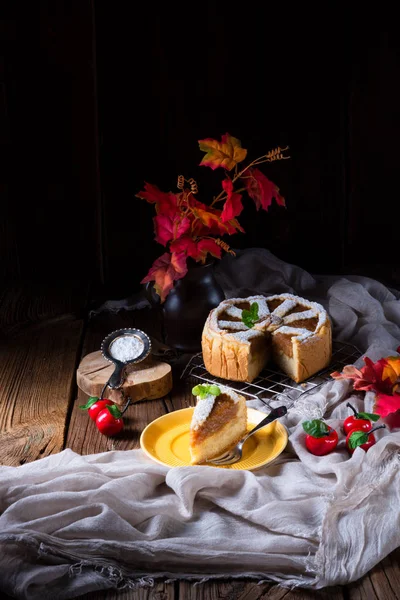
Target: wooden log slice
(147, 380)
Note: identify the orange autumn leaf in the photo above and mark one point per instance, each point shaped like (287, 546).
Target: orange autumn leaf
(208, 221)
(165, 270)
(227, 153)
(391, 369)
(211, 219)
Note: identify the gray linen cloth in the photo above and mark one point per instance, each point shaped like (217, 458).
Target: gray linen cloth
(72, 524)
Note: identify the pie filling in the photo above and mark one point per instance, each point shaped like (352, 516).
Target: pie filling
(224, 410)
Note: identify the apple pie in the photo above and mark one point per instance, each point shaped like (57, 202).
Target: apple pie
(218, 423)
(293, 331)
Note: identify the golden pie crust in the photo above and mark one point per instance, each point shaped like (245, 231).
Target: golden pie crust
(293, 331)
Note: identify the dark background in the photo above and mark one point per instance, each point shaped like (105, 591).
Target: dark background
(108, 97)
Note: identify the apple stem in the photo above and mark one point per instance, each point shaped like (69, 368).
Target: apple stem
(352, 408)
(126, 406)
(376, 428)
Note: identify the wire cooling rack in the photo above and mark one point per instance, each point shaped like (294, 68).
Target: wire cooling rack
(272, 386)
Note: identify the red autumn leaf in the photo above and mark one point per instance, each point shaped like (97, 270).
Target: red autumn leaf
(227, 153)
(197, 250)
(386, 404)
(233, 205)
(166, 203)
(165, 270)
(185, 244)
(366, 378)
(381, 377)
(374, 372)
(374, 377)
(261, 189)
(168, 228)
(208, 246)
(163, 227)
(181, 226)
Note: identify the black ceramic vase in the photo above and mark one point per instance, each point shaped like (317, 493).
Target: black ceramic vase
(187, 306)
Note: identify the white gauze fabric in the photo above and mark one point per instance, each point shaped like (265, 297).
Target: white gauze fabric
(72, 524)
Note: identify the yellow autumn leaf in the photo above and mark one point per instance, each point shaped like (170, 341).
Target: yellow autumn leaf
(227, 153)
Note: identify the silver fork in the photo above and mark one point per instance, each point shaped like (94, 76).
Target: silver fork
(234, 455)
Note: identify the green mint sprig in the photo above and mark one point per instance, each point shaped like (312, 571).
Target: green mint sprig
(250, 317)
(204, 389)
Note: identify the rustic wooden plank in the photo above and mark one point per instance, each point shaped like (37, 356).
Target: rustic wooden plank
(381, 583)
(160, 591)
(385, 577)
(236, 589)
(35, 439)
(243, 589)
(329, 593)
(36, 370)
(41, 336)
(28, 304)
(181, 395)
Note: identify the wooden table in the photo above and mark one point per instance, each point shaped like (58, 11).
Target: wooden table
(44, 333)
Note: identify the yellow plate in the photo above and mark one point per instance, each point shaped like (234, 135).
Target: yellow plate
(166, 440)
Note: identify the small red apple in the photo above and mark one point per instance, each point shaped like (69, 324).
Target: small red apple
(321, 439)
(94, 405)
(362, 439)
(359, 420)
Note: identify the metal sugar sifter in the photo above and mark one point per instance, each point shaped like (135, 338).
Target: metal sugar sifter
(124, 347)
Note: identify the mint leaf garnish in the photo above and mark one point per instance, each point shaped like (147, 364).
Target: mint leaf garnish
(250, 317)
(204, 389)
(357, 438)
(368, 416)
(316, 428)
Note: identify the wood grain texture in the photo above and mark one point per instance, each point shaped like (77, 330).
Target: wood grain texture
(160, 591)
(36, 371)
(30, 305)
(381, 583)
(149, 380)
(243, 589)
(34, 439)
